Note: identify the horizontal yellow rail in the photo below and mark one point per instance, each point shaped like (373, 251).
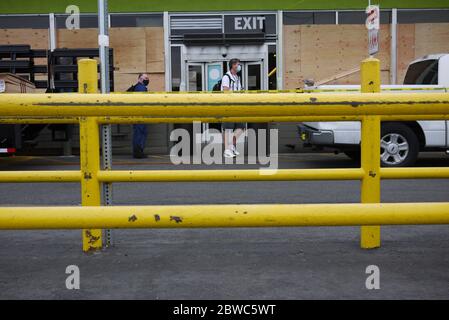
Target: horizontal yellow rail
(200, 216)
(222, 175)
(148, 119)
(415, 173)
(230, 175)
(40, 176)
(198, 106)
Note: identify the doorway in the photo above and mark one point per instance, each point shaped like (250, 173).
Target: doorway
(202, 76)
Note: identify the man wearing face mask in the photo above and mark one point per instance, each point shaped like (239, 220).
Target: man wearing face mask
(231, 82)
(140, 131)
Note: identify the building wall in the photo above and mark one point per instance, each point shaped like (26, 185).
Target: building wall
(317, 51)
(320, 52)
(136, 50)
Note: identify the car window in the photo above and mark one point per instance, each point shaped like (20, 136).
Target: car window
(423, 72)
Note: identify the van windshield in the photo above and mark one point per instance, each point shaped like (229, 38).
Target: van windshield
(423, 72)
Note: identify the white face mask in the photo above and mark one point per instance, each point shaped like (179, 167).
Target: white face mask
(239, 68)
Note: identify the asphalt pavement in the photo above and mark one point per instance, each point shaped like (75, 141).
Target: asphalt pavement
(241, 263)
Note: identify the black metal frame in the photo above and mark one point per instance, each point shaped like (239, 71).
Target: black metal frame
(62, 76)
(61, 68)
(62, 64)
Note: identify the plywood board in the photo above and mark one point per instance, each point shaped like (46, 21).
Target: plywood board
(81, 38)
(155, 50)
(321, 51)
(157, 82)
(129, 49)
(292, 56)
(328, 49)
(122, 81)
(35, 38)
(431, 38)
(128, 44)
(406, 49)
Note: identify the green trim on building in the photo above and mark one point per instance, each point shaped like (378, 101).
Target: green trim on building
(90, 6)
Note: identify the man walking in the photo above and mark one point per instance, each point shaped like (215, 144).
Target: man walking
(140, 131)
(231, 82)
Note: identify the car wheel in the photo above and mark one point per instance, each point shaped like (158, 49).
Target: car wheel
(399, 145)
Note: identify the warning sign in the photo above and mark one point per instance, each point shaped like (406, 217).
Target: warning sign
(373, 41)
(373, 24)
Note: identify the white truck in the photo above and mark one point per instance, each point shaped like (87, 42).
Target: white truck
(401, 141)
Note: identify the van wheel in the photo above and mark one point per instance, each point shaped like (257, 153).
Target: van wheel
(399, 145)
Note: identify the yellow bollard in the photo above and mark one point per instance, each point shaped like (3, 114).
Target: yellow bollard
(87, 76)
(89, 152)
(370, 149)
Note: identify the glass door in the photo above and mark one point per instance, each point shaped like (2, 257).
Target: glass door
(214, 74)
(253, 81)
(253, 76)
(202, 76)
(195, 74)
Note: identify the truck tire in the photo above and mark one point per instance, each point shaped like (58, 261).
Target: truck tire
(399, 145)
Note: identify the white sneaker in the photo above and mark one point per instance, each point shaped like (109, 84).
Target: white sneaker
(228, 154)
(234, 150)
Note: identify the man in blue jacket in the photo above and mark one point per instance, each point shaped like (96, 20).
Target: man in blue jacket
(140, 131)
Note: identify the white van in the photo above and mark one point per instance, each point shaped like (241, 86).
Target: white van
(401, 141)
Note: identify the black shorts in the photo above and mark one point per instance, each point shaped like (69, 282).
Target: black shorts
(233, 125)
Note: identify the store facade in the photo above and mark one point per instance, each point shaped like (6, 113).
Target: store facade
(279, 48)
(201, 45)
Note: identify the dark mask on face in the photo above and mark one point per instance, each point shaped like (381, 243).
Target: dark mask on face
(146, 82)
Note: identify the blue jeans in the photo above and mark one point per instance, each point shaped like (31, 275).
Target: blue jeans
(140, 133)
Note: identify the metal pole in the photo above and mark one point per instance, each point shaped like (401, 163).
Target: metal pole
(103, 42)
(280, 51)
(52, 31)
(167, 52)
(67, 145)
(106, 141)
(52, 46)
(393, 46)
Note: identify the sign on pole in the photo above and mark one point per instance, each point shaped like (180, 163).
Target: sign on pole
(373, 25)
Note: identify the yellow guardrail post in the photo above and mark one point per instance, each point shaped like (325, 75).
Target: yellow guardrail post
(89, 152)
(370, 149)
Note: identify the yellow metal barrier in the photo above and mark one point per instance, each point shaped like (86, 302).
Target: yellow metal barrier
(370, 160)
(221, 216)
(283, 107)
(89, 159)
(369, 107)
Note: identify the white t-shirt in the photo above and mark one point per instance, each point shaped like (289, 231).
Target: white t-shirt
(234, 85)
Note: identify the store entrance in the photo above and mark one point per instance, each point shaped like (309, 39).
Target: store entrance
(202, 76)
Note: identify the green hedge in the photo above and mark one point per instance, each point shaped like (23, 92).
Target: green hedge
(89, 6)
